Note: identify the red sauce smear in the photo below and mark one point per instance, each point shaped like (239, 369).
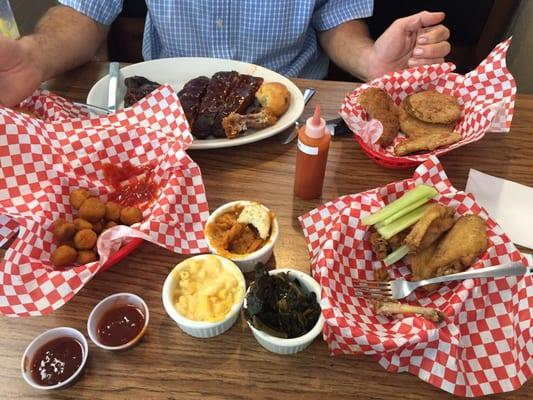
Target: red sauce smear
(134, 185)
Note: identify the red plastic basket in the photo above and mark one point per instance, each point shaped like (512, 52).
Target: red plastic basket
(387, 162)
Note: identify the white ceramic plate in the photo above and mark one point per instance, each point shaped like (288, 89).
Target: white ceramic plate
(178, 71)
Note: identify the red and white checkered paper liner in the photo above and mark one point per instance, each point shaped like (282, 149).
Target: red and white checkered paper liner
(42, 162)
(485, 344)
(487, 95)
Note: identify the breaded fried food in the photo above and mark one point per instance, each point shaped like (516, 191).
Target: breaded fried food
(85, 239)
(434, 107)
(455, 252)
(379, 105)
(92, 209)
(413, 127)
(63, 230)
(86, 256)
(64, 255)
(112, 211)
(460, 247)
(428, 142)
(130, 215)
(77, 197)
(436, 220)
(81, 223)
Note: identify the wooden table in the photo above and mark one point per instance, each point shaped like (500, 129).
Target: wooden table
(168, 363)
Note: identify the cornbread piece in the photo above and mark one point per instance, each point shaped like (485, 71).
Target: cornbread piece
(258, 217)
(378, 105)
(275, 96)
(434, 107)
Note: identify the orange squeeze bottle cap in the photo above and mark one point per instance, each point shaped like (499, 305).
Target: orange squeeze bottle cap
(315, 126)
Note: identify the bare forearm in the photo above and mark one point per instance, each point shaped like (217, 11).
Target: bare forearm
(349, 45)
(63, 40)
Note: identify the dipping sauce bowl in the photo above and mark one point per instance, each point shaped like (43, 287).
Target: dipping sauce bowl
(118, 322)
(55, 358)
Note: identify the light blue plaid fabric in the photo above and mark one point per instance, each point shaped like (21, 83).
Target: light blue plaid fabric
(278, 34)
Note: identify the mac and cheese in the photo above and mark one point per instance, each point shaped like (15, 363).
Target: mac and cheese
(206, 290)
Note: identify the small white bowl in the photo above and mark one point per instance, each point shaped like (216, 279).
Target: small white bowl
(42, 339)
(293, 345)
(246, 262)
(201, 329)
(107, 304)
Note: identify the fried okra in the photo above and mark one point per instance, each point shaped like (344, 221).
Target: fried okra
(92, 209)
(130, 215)
(64, 255)
(77, 197)
(85, 239)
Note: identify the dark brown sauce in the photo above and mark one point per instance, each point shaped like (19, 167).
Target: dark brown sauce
(56, 361)
(120, 325)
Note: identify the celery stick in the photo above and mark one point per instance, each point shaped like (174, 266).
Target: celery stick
(410, 197)
(388, 231)
(396, 255)
(404, 211)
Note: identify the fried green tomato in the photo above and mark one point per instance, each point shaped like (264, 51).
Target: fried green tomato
(77, 197)
(63, 230)
(64, 255)
(92, 209)
(86, 256)
(130, 215)
(112, 211)
(85, 239)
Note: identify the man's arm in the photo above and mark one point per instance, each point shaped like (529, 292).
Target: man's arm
(62, 40)
(410, 41)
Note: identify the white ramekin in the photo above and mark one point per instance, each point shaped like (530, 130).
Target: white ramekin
(201, 329)
(247, 262)
(43, 338)
(107, 304)
(294, 345)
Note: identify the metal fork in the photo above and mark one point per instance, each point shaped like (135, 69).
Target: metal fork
(93, 108)
(400, 288)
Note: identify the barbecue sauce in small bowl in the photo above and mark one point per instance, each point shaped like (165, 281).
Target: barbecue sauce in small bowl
(56, 361)
(120, 325)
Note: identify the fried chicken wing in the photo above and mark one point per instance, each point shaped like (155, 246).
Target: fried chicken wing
(460, 246)
(455, 252)
(436, 220)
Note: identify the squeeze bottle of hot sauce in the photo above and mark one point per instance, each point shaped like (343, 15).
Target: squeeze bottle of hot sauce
(311, 157)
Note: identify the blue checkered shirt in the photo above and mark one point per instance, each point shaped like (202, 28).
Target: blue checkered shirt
(277, 34)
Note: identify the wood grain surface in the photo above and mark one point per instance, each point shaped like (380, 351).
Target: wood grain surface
(168, 364)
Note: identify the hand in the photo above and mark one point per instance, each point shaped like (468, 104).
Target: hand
(19, 73)
(418, 39)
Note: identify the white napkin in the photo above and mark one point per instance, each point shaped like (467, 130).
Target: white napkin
(509, 203)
